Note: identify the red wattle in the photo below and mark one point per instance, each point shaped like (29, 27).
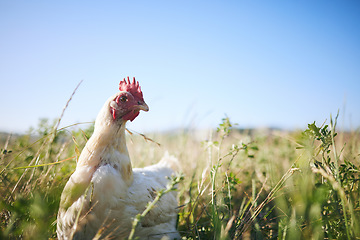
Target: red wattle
(131, 115)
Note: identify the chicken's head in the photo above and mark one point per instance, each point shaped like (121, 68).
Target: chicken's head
(128, 102)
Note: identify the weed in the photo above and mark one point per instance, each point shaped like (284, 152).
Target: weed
(236, 185)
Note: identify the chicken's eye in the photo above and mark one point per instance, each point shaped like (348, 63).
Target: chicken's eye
(123, 99)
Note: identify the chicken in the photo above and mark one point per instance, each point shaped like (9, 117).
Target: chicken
(105, 193)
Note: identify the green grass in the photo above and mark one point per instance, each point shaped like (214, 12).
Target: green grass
(237, 184)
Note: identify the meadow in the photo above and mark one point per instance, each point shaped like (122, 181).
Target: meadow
(234, 184)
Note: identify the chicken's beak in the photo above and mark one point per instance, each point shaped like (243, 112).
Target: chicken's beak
(142, 106)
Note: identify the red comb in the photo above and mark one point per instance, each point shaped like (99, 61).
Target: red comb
(131, 87)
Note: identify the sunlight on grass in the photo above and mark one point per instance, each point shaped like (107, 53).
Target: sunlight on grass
(237, 184)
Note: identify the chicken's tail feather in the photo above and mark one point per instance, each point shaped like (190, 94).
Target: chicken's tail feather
(170, 161)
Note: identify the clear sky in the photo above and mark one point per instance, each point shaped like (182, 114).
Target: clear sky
(262, 63)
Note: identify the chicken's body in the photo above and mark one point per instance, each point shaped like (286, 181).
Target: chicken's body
(104, 194)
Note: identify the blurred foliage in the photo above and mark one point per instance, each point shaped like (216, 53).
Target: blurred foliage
(32, 179)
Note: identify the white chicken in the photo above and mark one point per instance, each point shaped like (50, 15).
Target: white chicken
(105, 193)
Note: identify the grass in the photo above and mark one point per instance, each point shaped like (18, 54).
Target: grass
(238, 184)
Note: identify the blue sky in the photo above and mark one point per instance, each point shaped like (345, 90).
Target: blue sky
(262, 63)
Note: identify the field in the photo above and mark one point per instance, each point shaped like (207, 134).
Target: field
(236, 184)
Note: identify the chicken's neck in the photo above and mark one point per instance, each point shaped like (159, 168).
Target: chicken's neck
(107, 145)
